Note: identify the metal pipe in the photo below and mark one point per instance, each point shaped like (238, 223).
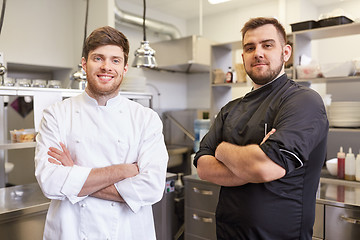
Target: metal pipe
(153, 25)
(181, 127)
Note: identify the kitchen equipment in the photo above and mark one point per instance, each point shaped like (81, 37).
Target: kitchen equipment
(344, 114)
(78, 79)
(166, 223)
(332, 166)
(332, 21)
(340, 69)
(308, 71)
(188, 54)
(304, 25)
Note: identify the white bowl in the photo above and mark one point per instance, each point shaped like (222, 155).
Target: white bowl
(332, 166)
(9, 167)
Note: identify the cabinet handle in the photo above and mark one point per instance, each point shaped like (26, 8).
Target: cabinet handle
(203, 192)
(350, 220)
(203, 219)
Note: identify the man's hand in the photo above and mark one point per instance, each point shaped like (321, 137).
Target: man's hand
(60, 157)
(268, 135)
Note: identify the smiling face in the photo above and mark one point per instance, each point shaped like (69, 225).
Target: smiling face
(264, 54)
(105, 69)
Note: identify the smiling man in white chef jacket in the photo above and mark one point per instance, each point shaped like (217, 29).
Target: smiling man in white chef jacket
(100, 157)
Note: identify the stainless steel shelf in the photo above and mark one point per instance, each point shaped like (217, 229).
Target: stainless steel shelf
(11, 145)
(31, 91)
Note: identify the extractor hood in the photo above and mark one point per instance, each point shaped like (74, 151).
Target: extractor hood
(187, 54)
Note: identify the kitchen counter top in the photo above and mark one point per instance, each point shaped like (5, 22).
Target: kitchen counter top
(341, 193)
(22, 200)
(27, 199)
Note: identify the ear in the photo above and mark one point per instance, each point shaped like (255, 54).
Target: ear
(126, 68)
(83, 63)
(287, 52)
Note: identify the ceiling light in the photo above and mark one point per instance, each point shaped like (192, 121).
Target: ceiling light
(144, 55)
(217, 1)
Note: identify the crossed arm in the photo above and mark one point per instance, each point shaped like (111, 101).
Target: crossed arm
(235, 165)
(100, 182)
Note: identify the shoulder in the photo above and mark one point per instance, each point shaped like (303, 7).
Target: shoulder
(302, 94)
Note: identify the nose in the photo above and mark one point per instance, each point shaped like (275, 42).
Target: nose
(258, 53)
(105, 66)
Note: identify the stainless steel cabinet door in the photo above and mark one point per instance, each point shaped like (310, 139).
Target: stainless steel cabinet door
(202, 196)
(342, 223)
(200, 223)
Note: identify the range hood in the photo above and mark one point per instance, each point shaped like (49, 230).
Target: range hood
(187, 54)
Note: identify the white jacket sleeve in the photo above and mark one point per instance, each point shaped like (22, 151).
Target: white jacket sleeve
(56, 181)
(148, 186)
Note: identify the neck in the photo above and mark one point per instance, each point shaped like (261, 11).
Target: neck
(256, 86)
(100, 98)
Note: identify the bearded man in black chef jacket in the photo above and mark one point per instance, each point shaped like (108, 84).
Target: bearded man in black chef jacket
(266, 149)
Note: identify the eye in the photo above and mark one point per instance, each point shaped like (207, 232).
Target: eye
(97, 59)
(116, 61)
(249, 49)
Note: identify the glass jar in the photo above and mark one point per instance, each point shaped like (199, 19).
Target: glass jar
(54, 84)
(39, 83)
(23, 82)
(9, 82)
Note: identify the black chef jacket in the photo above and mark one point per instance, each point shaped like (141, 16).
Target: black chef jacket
(284, 208)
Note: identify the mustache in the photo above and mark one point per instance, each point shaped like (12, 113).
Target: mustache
(258, 61)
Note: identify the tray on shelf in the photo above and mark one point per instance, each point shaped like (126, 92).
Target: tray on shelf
(326, 22)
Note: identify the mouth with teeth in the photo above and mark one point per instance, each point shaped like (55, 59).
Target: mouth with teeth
(105, 78)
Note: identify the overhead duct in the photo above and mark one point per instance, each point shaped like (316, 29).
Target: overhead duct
(152, 25)
(189, 54)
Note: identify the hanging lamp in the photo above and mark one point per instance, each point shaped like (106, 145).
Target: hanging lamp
(144, 55)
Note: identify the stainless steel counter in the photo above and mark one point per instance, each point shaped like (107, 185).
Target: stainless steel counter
(23, 208)
(23, 198)
(338, 192)
(22, 212)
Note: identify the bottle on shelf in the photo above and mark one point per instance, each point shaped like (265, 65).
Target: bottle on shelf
(229, 76)
(341, 164)
(350, 166)
(357, 167)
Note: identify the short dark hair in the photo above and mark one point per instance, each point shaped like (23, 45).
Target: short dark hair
(261, 21)
(106, 36)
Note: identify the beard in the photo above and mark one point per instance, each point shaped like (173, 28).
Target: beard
(98, 90)
(261, 78)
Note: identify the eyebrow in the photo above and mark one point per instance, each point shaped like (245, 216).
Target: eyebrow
(261, 42)
(102, 55)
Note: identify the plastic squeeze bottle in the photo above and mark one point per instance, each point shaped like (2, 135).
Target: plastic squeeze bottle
(357, 164)
(350, 166)
(229, 76)
(341, 164)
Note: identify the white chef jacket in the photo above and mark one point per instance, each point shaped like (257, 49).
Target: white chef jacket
(123, 131)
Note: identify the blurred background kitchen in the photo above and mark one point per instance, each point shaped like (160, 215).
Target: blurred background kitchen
(195, 42)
